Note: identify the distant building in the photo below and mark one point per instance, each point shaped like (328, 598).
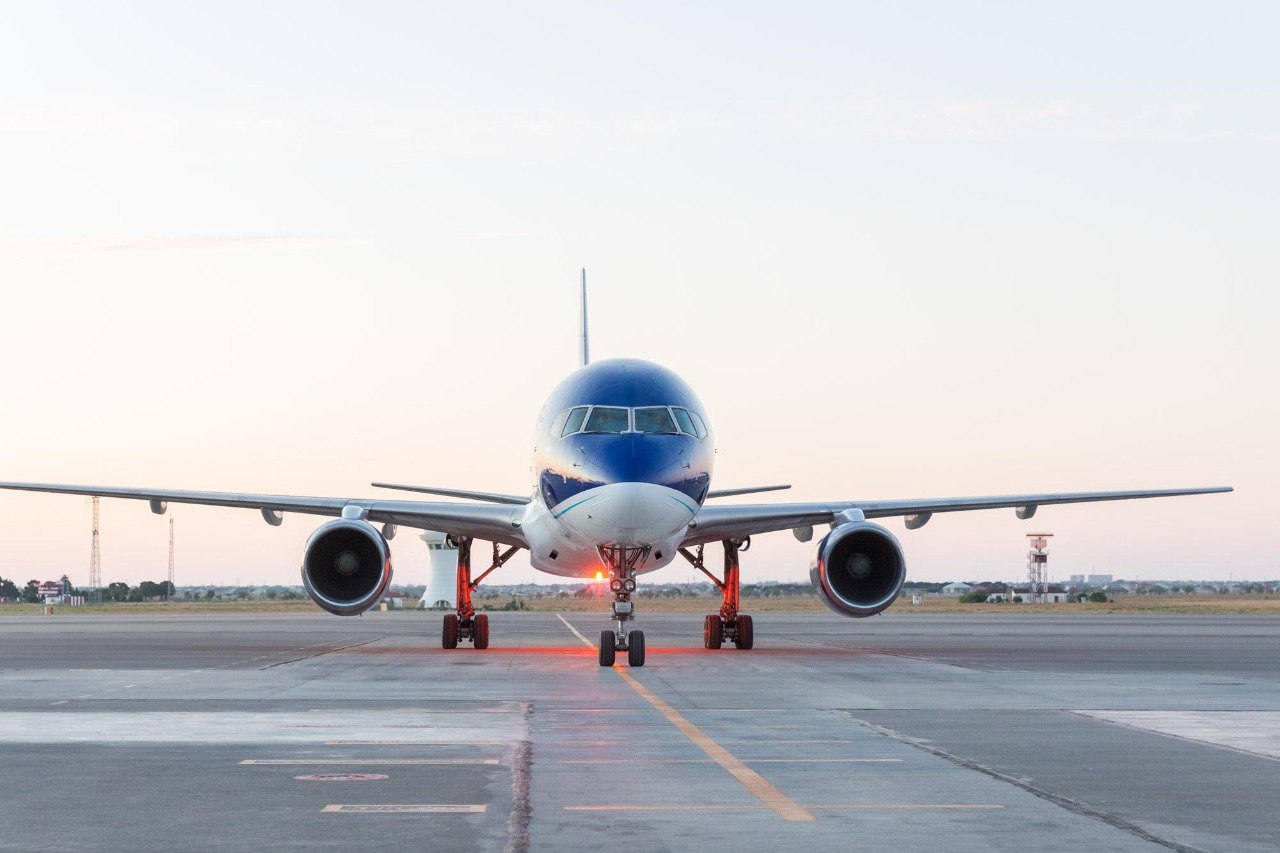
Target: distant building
(957, 588)
(1054, 595)
(56, 592)
(1077, 579)
(996, 592)
(1100, 580)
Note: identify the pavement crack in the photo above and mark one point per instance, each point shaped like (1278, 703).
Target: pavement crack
(319, 653)
(1057, 799)
(521, 776)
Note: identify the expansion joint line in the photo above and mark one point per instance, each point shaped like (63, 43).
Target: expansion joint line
(1057, 799)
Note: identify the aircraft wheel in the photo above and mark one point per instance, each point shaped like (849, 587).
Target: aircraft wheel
(608, 648)
(480, 637)
(745, 636)
(635, 648)
(712, 631)
(449, 633)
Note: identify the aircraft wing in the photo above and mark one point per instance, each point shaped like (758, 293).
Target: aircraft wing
(484, 521)
(727, 522)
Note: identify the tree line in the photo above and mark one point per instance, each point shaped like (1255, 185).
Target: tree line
(118, 591)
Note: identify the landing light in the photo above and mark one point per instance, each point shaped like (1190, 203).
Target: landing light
(599, 576)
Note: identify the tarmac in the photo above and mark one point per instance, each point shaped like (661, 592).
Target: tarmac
(920, 732)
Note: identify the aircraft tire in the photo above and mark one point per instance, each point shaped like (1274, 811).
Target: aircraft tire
(449, 632)
(480, 637)
(745, 636)
(635, 648)
(712, 631)
(608, 648)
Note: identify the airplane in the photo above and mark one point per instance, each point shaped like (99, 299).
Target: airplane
(623, 463)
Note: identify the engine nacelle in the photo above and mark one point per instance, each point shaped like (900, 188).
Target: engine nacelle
(347, 566)
(858, 569)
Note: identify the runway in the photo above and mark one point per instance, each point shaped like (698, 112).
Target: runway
(900, 732)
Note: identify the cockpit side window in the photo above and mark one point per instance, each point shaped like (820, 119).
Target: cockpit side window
(655, 419)
(574, 421)
(686, 422)
(698, 424)
(557, 425)
(608, 419)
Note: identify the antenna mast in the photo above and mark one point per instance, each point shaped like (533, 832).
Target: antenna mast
(95, 553)
(171, 586)
(1038, 566)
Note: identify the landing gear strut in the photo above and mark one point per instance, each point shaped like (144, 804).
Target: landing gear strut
(727, 625)
(465, 623)
(622, 564)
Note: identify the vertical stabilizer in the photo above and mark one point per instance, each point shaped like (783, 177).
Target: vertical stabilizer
(584, 353)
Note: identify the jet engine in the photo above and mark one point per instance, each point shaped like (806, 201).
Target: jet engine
(858, 569)
(347, 566)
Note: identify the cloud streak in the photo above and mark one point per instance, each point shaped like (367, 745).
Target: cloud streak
(157, 243)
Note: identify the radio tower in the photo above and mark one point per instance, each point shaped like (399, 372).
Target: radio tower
(1038, 566)
(172, 588)
(95, 553)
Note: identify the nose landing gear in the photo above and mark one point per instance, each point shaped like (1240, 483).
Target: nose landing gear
(727, 625)
(622, 564)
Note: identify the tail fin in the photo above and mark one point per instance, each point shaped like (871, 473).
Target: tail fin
(584, 354)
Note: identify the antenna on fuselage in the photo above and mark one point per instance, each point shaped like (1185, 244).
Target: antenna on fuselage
(584, 354)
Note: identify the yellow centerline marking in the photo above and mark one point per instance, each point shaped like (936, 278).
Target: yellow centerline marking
(760, 788)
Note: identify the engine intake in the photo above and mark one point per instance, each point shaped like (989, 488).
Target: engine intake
(346, 567)
(858, 569)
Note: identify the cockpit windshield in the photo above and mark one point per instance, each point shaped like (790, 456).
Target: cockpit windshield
(607, 419)
(655, 419)
(649, 420)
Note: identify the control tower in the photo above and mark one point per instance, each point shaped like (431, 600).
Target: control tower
(442, 578)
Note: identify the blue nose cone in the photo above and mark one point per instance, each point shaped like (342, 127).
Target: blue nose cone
(676, 461)
(636, 459)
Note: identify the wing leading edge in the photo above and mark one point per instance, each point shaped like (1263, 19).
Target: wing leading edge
(719, 522)
(498, 523)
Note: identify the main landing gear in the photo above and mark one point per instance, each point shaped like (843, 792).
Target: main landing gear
(465, 623)
(728, 625)
(622, 564)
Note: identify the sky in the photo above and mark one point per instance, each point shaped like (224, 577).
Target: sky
(899, 249)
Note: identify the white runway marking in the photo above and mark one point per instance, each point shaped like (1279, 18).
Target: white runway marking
(364, 762)
(246, 727)
(1254, 732)
(744, 761)
(575, 631)
(406, 809)
(416, 742)
(688, 807)
(748, 741)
